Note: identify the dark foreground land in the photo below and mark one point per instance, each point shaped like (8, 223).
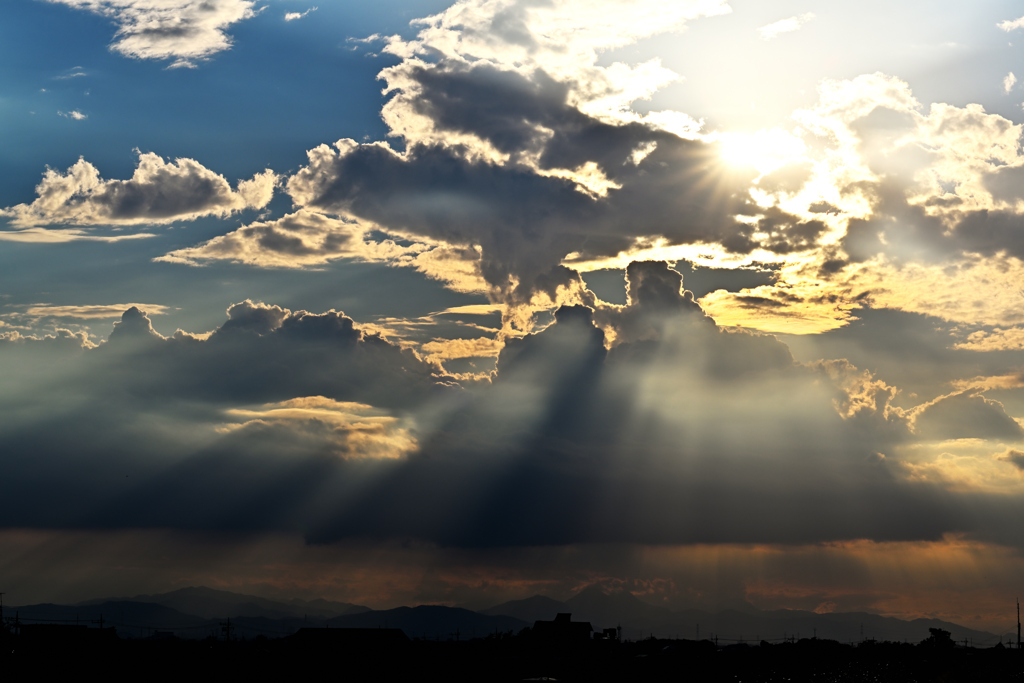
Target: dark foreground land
(389, 655)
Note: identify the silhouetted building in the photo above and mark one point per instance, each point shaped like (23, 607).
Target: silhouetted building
(562, 632)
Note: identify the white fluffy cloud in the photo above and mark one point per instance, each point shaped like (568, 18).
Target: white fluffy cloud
(562, 39)
(923, 207)
(158, 192)
(185, 31)
(1011, 24)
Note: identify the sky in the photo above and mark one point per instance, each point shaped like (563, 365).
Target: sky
(716, 302)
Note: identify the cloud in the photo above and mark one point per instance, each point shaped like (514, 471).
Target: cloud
(185, 31)
(1015, 457)
(521, 147)
(74, 114)
(308, 239)
(62, 340)
(526, 223)
(995, 339)
(270, 354)
(292, 16)
(56, 236)
(348, 430)
(446, 349)
(158, 192)
(1011, 24)
(912, 195)
(267, 384)
(92, 312)
(773, 30)
(1013, 380)
(633, 443)
(561, 38)
(300, 239)
(965, 415)
(1009, 82)
(639, 424)
(520, 153)
(74, 72)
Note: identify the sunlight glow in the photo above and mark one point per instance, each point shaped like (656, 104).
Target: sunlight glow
(766, 150)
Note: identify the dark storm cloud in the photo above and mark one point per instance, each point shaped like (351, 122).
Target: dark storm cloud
(683, 432)
(616, 182)
(262, 354)
(139, 431)
(736, 443)
(739, 446)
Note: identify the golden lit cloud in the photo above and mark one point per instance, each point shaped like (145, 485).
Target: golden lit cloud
(92, 312)
(349, 430)
(1014, 380)
(446, 349)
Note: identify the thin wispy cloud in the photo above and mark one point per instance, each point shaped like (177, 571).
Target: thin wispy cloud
(775, 29)
(76, 72)
(1009, 82)
(73, 114)
(292, 16)
(93, 311)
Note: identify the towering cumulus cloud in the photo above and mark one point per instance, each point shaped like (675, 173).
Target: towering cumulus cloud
(681, 432)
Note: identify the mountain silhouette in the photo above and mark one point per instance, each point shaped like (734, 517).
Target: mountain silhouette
(605, 610)
(134, 619)
(537, 608)
(211, 603)
(197, 611)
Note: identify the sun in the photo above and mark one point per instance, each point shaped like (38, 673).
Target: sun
(765, 150)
